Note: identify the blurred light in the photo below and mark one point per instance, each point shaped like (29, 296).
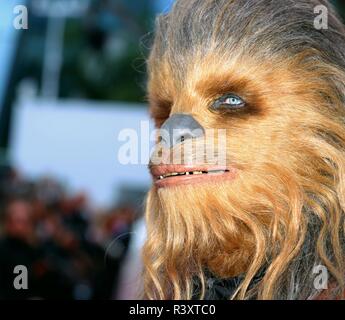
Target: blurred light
(60, 8)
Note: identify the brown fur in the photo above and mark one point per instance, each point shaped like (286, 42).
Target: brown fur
(285, 209)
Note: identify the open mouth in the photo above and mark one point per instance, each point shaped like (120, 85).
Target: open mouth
(170, 175)
(174, 174)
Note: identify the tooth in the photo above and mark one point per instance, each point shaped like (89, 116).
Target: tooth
(161, 177)
(187, 173)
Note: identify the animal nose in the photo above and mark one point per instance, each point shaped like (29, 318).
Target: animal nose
(178, 128)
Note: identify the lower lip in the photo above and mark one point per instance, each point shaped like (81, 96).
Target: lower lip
(191, 178)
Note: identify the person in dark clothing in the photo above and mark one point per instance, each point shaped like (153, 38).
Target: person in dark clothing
(20, 248)
(17, 249)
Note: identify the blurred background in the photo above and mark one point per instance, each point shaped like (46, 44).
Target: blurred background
(71, 79)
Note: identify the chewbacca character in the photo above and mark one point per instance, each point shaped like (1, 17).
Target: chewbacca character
(258, 225)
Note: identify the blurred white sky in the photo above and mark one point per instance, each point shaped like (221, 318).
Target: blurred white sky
(164, 5)
(77, 142)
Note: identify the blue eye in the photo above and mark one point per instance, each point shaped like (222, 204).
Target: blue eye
(229, 101)
(233, 101)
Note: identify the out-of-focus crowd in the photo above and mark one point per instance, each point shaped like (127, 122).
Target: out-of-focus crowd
(69, 251)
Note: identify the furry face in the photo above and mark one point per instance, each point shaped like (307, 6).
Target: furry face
(259, 70)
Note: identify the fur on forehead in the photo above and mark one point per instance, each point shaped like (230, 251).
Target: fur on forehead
(255, 27)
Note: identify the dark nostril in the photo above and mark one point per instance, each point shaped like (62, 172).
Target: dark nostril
(179, 128)
(182, 135)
